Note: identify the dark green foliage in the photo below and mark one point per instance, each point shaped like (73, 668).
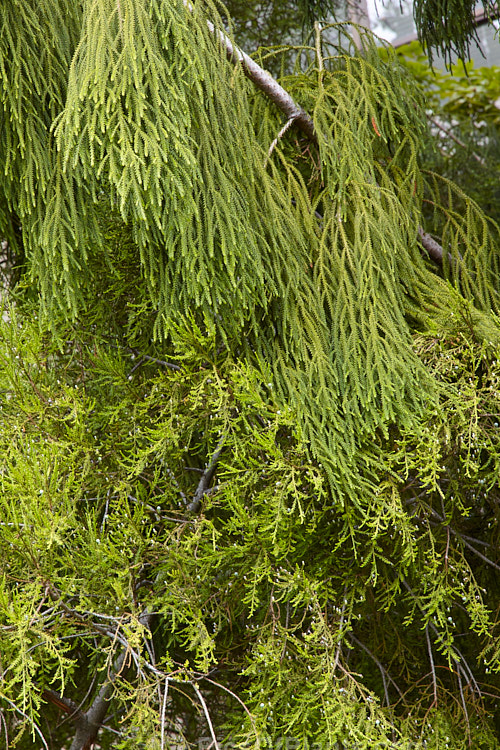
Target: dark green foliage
(274, 22)
(448, 26)
(249, 434)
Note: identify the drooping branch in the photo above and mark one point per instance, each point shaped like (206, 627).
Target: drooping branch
(264, 81)
(293, 111)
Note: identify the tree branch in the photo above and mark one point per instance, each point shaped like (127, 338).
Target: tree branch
(433, 668)
(65, 704)
(89, 723)
(204, 482)
(433, 248)
(263, 80)
(293, 111)
(162, 362)
(383, 671)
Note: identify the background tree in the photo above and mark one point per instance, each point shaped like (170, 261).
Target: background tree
(249, 396)
(463, 110)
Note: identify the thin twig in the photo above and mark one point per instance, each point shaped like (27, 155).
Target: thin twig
(383, 671)
(473, 549)
(207, 715)
(163, 709)
(433, 668)
(341, 624)
(277, 139)
(177, 485)
(4, 724)
(463, 538)
(464, 705)
(162, 362)
(458, 658)
(35, 727)
(223, 687)
(457, 140)
(139, 362)
(319, 54)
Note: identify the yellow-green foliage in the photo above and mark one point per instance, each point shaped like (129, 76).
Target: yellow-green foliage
(327, 626)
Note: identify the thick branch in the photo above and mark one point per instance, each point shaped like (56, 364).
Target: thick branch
(89, 723)
(433, 248)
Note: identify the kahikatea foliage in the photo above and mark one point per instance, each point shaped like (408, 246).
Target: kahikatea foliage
(239, 319)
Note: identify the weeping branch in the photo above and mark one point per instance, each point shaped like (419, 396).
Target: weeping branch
(263, 80)
(294, 113)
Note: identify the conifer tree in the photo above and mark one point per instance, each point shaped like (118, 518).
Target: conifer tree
(249, 393)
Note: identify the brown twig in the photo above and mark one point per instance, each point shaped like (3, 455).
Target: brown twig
(453, 137)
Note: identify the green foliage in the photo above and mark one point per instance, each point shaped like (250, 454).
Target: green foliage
(465, 91)
(249, 437)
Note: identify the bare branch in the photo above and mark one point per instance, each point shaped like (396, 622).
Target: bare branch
(223, 687)
(207, 715)
(459, 660)
(277, 139)
(163, 709)
(35, 727)
(383, 671)
(4, 724)
(162, 362)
